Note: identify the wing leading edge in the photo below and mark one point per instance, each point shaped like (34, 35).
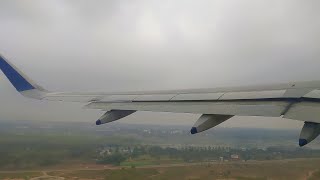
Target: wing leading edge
(299, 101)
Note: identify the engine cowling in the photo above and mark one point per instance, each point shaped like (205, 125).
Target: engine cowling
(207, 121)
(113, 115)
(308, 133)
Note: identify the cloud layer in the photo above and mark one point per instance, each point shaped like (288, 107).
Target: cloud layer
(151, 45)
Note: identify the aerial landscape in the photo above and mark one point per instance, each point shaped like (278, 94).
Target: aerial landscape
(61, 150)
(159, 90)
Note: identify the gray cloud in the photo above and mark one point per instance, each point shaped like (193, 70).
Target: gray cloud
(139, 45)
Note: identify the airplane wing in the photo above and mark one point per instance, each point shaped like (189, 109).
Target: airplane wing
(298, 101)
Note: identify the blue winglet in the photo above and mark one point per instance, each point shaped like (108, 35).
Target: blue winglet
(16, 78)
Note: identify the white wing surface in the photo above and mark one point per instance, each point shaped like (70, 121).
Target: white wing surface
(299, 101)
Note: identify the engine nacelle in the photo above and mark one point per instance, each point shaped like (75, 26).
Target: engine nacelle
(309, 132)
(113, 115)
(207, 121)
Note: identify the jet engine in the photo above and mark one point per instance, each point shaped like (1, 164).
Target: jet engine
(207, 121)
(113, 115)
(309, 132)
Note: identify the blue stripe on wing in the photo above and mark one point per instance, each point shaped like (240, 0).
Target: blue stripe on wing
(17, 80)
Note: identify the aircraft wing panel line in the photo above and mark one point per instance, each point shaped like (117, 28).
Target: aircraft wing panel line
(243, 109)
(243, 96)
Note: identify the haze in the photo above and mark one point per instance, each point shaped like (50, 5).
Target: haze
(151, 45)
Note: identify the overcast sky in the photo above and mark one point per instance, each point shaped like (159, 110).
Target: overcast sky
(123, 45)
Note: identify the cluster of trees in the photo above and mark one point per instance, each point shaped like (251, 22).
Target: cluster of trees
(114, 159)
(34, 150)
(196, 154)
(21, 152)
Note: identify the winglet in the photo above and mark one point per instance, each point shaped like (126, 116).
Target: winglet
(21, 82)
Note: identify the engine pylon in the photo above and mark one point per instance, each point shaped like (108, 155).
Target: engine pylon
(207, 121)
(113, 115)
(309, 132)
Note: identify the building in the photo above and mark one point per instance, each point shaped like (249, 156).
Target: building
(235, 157)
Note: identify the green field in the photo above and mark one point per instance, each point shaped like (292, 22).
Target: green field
(127, 152)
(280, 169)
(19, 175)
